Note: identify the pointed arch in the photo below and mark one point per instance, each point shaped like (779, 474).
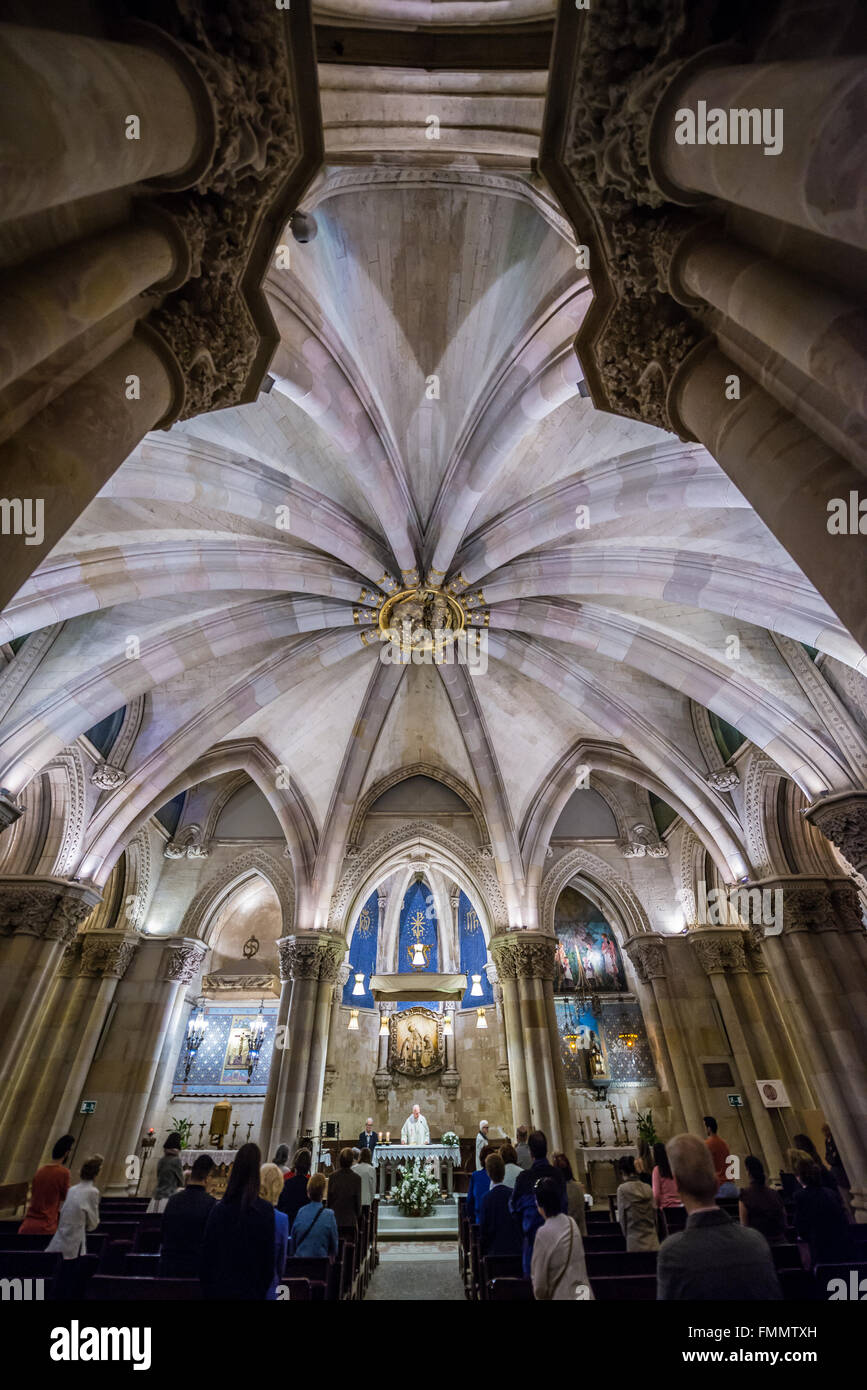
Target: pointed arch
(200, 914)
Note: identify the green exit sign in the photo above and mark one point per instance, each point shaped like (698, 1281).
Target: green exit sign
(87, 1107)
(735, 1099)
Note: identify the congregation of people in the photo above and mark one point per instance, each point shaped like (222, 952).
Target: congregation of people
(523, 1206)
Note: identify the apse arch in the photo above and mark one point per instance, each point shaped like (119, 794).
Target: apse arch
(403, 774)
(423, 846)
(202, 911)
(602, 885)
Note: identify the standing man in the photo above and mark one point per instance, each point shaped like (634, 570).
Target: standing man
(368, 1138)
(415, 1129)
(719, 1150)
(481, 1142)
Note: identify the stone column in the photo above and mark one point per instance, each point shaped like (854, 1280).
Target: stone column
(331, 956)
(502, 1054)
(49, 304)
(787, 474)
(303, 958)
(807, 182)
(451, 1075)
(507, 972)
(38, 918)
(532, 958)
(64, 455)
(721, 955)
(73, 97)
(817, 965)
(382, 1076)
(647, 954)
(343, 973)
(121, 1079)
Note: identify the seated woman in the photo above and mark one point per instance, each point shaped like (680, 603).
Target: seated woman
(557, 1269)
(636, 1211)
(760, 1207)
(574, 1192)
(314, 1230)
(665, 1193)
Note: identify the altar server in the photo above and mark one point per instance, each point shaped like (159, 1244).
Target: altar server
(481, 1142)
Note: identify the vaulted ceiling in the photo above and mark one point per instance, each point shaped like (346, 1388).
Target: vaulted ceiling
(424, 414)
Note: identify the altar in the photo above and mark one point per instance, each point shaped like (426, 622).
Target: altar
(601, 1166)
(387, 1158)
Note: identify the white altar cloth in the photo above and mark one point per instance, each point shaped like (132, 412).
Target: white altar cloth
(387, 1158)
(607, 1151)
(224, 1156)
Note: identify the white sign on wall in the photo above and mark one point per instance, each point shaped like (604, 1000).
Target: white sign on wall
(773, 1094)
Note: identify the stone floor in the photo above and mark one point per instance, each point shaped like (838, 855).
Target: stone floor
(425, 1273)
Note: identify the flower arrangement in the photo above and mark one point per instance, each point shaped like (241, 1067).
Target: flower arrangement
(450, 1139)
(417, 1191)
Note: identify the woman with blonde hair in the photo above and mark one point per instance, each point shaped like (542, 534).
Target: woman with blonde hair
(314, 1230)
(270, 1187)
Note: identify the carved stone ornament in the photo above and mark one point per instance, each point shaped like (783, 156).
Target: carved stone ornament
(720, 954)
(504, 1079)
(107, 777)
(843, 821)
(106, 958)
(182, 963)
(724, 779)
(318, 958)
(250, 984)
(50, 910)
(648, 958)
(518, 957)
(416, 1045)
(642, 841)
(69, 961)
(9, 812)
(251, 59)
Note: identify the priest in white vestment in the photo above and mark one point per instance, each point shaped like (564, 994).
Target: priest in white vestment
(415, 1128)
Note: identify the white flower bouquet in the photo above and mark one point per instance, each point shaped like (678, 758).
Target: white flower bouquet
(417, 1192)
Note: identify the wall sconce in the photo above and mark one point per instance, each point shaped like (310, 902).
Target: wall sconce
(358, 987)
(477, 985)
(481, 1021)
(352, 1025)
(383, 1025)
(447, 1026)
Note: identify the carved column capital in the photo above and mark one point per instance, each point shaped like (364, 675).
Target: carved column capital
(105, 956)
(316, 956)
(647, 955)
(9, 811)
(842, 819)
(182, 963)
(518, 956)
(70, 959)
(49, 908)
(720, 953)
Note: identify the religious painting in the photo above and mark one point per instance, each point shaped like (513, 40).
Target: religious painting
(415, 1042)
(587, 956)
(237, 1056)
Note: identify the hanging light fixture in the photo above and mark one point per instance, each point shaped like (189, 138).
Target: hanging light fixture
(383, 1025)
(196, 1029)
(352, 1025)
(481, 1021)
(358, 987)
(477, 985)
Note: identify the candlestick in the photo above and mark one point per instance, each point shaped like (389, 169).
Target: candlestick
(234, 1132)
(201, 1132)
(249, 1127)
(598, 1133)
(625, 1132)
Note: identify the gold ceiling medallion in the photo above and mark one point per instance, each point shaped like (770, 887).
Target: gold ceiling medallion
(421, 619)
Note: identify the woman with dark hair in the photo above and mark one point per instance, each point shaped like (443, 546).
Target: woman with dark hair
(47, 1192)
(665, 1193)
(635, 1209)
(294, 1194)
(760, 1207)
(239, 1245)
(804, 1144)
(557, 1269)
(281, 1158)
(574, 1192)
(819, 1219)
(170, 1174)
(644, 1161)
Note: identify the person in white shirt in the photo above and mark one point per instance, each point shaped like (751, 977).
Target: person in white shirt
(415, 1129)
(558, 1269)
(366, 1171)
(481, 1141)
(78, 1215)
